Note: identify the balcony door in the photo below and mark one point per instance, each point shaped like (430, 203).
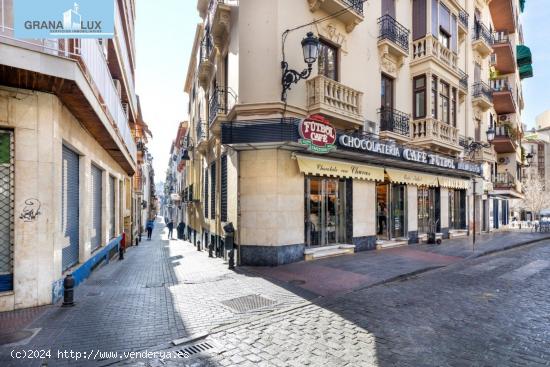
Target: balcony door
(328, 60)
(386, 93)
(388, 7)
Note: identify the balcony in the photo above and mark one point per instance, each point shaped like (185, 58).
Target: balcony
(221, 102)
(429, 48)
(506, 139)
(394, 124)
(505, 61)
(76, 71)
(463, 82)
(482, 96)
(333, 99)
(201, 136)
(485, 155)
(393, 38)
(349, 12)
(206, 63)
(436, 135)
(463, 20)
(219, 14)
(504, 99)
(504, 181)
(482, 40)
(503, 15)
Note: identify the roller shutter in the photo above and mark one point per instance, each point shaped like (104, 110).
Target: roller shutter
(112, 207)
(70, 187)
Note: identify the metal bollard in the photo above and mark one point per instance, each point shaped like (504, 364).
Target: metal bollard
(120, 252)
(137, 242)
(210, 249)
(68, 291)
(198, 245)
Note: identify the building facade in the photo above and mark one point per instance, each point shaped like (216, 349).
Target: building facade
(69, 120)
(382, 145)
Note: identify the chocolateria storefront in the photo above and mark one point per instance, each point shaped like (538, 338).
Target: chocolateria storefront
(304, 185)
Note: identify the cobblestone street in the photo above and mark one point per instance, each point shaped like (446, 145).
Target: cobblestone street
(491, 310)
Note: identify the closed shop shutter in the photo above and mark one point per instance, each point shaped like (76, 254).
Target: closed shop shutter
(206, 193)
(112, 206)
(70, 187)
(6, 210)
(213, 191)
(223, 196)
(95, 208)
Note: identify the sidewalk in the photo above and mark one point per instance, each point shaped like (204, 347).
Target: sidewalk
(162, 290)
(337, 275)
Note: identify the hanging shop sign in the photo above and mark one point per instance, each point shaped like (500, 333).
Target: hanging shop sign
(317, 134)
(393, 150)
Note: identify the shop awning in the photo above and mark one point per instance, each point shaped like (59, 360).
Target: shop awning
(328, 167)
(453, 183)
(411, 178)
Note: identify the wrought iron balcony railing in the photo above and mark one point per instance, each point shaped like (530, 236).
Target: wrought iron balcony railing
(463, 79)
(481, 32)
(481, 89)
(394, 120)
(504, 179)
(463, 17)
(355, 5)
(206, 47)
(221, 101)
(200, 130)
(394, 31)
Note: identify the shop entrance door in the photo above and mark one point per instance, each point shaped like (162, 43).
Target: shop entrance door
(390, 211)
(325, 211)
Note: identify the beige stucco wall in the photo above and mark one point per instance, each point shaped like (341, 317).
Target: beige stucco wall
(271, 199)
(364, 208)
(42, 125)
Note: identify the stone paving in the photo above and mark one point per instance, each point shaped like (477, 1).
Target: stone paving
(490, 311)
(162, 290)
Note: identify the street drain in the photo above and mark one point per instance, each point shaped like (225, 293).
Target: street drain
(248, 303)
(191, 350)
(94, 294)
(297, 282)
(154, 285)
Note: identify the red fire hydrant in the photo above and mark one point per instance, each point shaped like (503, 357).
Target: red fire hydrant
(122, 246)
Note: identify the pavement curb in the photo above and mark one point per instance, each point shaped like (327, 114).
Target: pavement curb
(508, 247)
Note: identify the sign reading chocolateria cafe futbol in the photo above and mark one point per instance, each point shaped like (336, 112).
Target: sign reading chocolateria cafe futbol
(321, 137)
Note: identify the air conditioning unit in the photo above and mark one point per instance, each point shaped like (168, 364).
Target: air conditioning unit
(504, 118)
(371, 127)
(493, 59)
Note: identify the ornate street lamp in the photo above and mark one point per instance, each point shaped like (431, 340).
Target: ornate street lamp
(529, 157)
(310, 48)
(475, 146)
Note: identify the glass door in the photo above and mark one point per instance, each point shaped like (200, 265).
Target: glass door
(325, 211)
(382, 199)
(398, 208)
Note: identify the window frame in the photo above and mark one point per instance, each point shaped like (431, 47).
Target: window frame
(416, 92)
(329, 45)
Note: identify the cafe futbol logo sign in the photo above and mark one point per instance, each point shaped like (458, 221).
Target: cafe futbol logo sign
(64, 18)
(317, 134)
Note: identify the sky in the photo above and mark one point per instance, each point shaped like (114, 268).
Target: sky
(164, 37)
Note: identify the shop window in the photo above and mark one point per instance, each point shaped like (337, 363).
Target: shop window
(7, 191)
(426, 209)
(328, 60)
(457, 209)
(419, 92)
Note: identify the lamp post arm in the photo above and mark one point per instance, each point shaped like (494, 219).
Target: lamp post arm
(290, 76)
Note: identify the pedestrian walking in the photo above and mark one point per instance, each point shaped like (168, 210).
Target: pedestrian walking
(170, 229)
(150, 226)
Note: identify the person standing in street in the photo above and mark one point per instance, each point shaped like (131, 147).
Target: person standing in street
(170, 228)
(150, 226)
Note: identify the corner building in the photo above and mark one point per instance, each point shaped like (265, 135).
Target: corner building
(69, 121)
(374, 148)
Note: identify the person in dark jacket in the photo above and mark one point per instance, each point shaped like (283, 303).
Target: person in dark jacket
(150, 226)
(170, 229)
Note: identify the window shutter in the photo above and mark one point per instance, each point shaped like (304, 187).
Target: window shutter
(213, 191)
(435, 13)
(388, 7)
(223, 204)
(206, 192)
(454, 36)
(419, 19)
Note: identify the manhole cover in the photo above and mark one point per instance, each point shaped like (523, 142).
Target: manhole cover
(297, 282)
(16, 336)
(154, 285)
(248, 303)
